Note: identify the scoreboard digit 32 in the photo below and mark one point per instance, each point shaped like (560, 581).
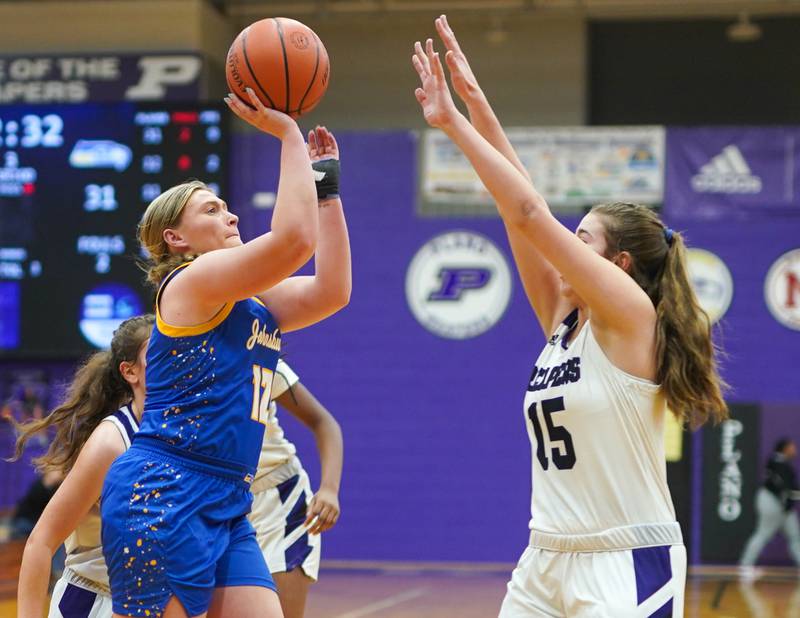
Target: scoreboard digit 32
(74, 183)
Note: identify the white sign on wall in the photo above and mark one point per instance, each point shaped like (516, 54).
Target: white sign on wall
(570, 167)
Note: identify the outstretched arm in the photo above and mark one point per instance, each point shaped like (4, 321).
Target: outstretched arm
(72, 501)
(304, 300)
(615, 300)
(328, 435)
(539, 278)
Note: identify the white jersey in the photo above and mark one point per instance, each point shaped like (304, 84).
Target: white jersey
(84, 550)
(597, 440)
(276, 450)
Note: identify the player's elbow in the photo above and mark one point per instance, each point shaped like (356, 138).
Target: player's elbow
(300, 242)
(333, 302)
(38, 542)
(341, 295)
(527, 210)
(322, 423)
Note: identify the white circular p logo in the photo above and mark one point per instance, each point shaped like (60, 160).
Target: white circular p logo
(458, 285)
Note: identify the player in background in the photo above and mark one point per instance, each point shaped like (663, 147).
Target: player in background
(626, 339)
(775, 502)
(287, 517)
(176, 538)
(89, 437)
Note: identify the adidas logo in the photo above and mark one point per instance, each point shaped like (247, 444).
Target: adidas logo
(727, 172)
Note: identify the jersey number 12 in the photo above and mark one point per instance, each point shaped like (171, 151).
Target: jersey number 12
(262, 392)
(556, 433)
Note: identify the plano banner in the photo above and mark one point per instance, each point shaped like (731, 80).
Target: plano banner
(78, 78)
(571, 167)
(731, 476)
(718, 172)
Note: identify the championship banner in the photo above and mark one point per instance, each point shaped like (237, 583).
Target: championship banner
(731, 476)
(77, 78)
(715, 173)
(571, 168)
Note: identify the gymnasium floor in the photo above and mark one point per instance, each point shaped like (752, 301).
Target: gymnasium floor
(464, 591)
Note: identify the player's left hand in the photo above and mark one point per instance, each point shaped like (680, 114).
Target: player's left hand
(323, 511)
(464, 81)
(434, 95)
(322, 144)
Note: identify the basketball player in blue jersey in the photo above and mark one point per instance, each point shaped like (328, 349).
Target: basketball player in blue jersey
(287, 517)
(626, 340)
(88, 439)
(175, 534)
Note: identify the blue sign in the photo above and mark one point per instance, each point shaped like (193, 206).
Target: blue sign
(78, 78)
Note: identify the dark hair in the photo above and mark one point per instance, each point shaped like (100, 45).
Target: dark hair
(782, 443)
(96, 391)
(686, 366)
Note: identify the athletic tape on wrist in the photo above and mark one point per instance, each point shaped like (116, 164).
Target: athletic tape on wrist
(326, 177)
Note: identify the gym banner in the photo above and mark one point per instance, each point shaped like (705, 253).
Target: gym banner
(715, 173)
(731, 476)
(77, 78)
(572, 167)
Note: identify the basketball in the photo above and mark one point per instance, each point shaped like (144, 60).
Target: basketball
(283, 61)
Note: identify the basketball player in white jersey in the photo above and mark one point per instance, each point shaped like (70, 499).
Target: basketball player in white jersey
(287, 516)
(626, 340)
(88, 439)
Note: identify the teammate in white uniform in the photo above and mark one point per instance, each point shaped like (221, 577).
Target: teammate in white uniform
(87, 441)
(286, 514)
(627, 338)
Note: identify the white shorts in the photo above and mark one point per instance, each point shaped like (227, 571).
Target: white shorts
(635, 583)
(71, 600)
(278, 514)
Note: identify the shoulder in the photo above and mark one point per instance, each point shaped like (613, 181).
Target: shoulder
(125, 423)
(103, 446)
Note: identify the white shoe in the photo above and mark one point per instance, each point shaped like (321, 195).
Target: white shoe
(750, 573)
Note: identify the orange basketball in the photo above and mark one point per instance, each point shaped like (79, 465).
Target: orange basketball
(283, 61)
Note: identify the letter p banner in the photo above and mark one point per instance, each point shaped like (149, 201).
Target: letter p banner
(161, 71)
(454, 281)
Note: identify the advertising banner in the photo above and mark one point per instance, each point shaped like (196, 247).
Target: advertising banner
(77, 78)
(713, 173)
(731, 475)
(571, 167)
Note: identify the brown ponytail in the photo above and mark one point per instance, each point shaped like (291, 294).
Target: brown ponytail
(686, 366)
(96, 391)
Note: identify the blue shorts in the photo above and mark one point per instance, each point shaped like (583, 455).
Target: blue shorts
(174, 524)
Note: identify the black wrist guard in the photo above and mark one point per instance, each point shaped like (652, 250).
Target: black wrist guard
(326, 177)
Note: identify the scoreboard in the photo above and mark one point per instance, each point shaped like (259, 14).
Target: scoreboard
(74, 183)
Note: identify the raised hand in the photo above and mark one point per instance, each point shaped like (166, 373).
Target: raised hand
(464, 82)
(258, 115)
(434, 94)
(322, 144)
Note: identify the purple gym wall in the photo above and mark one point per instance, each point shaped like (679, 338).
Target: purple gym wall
(437, 463)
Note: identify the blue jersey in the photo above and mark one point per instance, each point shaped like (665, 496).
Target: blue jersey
(208, 386)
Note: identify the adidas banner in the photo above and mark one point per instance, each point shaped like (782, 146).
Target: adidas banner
(718, 172)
